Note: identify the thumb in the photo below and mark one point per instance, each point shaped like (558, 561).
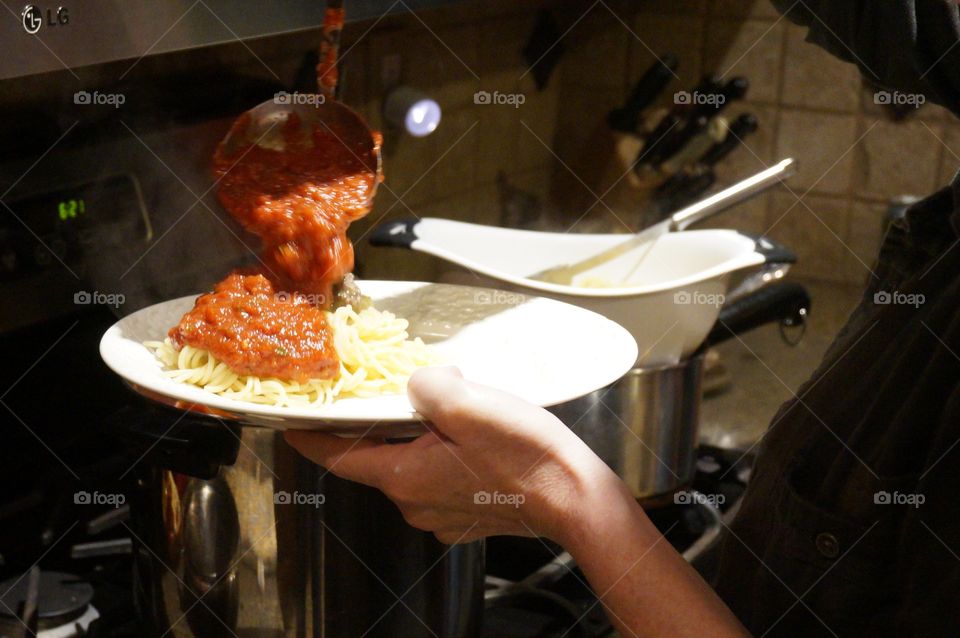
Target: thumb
(430, 388)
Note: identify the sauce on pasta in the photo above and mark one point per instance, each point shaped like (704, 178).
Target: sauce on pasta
(300, 202)
(257, 330)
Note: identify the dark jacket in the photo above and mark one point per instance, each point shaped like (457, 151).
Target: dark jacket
(851, 523)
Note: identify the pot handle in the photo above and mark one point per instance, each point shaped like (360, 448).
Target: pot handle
(785, 302)
(396, 234)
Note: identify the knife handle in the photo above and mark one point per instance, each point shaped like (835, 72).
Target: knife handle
(740, 128)
(646, 155)
(645, 91)
(677, 139)
(733, 90)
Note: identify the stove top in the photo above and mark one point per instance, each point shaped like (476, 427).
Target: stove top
(83, 585)
(536, 590)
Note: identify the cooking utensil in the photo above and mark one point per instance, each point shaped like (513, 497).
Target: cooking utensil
(499, 339)
(645, 425)
(645, 91)
(739, 192)
(277, 123)
(276, 546)
(668, 306)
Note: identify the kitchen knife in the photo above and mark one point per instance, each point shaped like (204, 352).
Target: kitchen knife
(715, 131)
(645, 157)
(677, 139)
(689, 189)
(733, 90)
(741, 127)
(645, 91)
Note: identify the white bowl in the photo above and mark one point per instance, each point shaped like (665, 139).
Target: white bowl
(669, 303)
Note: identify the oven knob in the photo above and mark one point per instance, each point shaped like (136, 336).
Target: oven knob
(8, 260)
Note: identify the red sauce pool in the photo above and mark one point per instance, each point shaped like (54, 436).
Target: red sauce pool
(300, 203)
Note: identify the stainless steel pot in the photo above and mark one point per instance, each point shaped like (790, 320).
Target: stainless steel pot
(237, 535)
(645, 426)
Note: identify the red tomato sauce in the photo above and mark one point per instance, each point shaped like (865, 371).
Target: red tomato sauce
(258, 330)
(300, 202)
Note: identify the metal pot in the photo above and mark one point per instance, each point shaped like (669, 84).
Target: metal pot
(237, 535)
(645, 426)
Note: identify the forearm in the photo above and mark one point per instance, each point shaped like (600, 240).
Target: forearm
(646, 587)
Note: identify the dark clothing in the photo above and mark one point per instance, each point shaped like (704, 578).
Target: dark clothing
(879, 420)
(880, 416)
(906, 45)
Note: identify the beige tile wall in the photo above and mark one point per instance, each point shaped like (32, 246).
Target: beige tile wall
(555, 147)
(853, 158)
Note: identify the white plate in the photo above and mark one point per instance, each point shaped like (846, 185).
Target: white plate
(545, 351)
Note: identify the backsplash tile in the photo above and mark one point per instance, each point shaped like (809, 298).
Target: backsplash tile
(823, 144)
(752, 48)
(814, 78)
(897, 158)
(853, 156)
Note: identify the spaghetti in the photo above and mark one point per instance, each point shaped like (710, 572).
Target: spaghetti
(376, 357)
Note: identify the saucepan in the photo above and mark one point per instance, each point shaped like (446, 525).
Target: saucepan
(645, 426)
(668, 294)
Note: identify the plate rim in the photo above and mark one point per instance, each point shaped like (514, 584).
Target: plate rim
(242, 410)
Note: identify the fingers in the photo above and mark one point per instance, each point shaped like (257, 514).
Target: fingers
(365, 461)
(457, 407)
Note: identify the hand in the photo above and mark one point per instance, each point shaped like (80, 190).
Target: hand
(490, 464)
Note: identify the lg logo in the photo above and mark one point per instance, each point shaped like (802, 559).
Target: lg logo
(33, 17)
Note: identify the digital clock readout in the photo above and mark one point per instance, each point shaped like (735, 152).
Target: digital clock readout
(68, 209)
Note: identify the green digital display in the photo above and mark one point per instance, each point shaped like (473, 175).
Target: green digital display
(68, 209)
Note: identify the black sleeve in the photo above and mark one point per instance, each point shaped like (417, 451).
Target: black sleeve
(904, 45)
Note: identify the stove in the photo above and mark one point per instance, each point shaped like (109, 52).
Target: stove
(535, 589)
(84, 584)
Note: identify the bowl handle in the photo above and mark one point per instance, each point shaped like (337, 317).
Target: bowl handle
(396, 234)
(773, 252)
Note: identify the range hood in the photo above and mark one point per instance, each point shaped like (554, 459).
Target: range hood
(38, 38)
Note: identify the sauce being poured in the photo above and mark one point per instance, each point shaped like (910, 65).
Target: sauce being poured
(300, 202)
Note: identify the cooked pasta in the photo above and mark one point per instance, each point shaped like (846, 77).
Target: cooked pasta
(376, 357)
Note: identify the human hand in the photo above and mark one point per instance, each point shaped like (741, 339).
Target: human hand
(490, 464)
